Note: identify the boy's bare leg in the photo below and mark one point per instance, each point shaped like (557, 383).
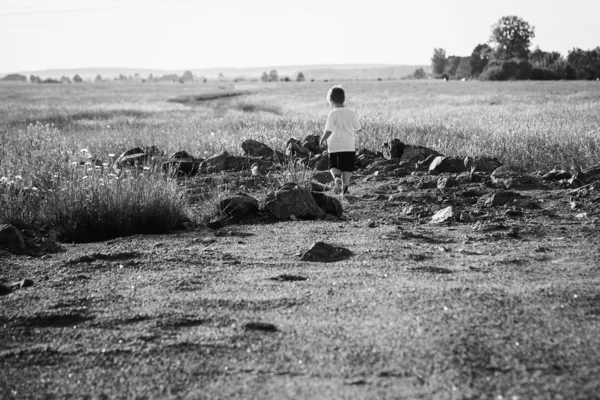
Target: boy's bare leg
(337, 188)
(345, 179)
(335, 173)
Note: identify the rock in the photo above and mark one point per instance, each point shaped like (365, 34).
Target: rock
(216, 163)
(590, 174)
(329, 204)
(260, 326)
(365, 157)
(444, 215)
(396, 148)
(323, 252)
(137, 156)
(288, 278)
(25, 283)
(426, 183)
(416, 153)
(445, 182)
(226, 162)
(446, 164)
(320, 162)
(254, 148)
(501, 198)
(507, 177)
(295, 149)
(481, 164)
(323, 177)
(181, 163)
(556, 175)
(11, 238)
(5, 290)
(238, 206)
(311, 143)
(291, 199)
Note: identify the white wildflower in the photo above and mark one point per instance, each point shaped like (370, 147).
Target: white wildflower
(111, 155)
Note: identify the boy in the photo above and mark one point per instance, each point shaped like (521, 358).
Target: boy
(340, 129)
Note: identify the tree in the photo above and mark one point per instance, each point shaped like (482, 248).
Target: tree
(35, 79)
(264, 77)
(65, 79)
(77, 79)
(586, 63)
(98, 78)
(273, 76)
(188, 76)
(479, 59)
(419, 74)
(300, 77)
(512, 37)
(439, 61)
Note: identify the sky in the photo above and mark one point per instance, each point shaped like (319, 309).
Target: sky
(189, 34)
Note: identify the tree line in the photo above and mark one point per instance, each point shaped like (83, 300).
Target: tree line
(507, 56)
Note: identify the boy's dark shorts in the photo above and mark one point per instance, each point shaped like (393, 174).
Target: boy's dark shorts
(343, 160)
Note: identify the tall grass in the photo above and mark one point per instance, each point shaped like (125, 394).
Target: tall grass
(45, 184)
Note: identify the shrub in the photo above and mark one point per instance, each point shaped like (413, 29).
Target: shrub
(544, 74)
(503, 70)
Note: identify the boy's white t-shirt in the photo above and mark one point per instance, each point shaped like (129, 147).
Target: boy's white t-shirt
(343, 124)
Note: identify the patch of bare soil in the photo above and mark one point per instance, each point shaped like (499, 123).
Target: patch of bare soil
(502, 299)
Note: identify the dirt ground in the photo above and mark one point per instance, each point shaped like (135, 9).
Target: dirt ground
(502, 305)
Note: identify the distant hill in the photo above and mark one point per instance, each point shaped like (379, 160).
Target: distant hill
(317, 72)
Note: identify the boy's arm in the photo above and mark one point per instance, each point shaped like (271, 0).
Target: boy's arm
(324, 138)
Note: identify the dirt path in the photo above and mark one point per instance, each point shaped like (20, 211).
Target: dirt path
(506, 304)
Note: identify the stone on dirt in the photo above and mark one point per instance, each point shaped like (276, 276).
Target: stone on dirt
(323, 177)
(291, 199)
(294, 148)
(329, 204)
(288, 278)
(238, 206)
(416, 153)
(556, 174)
(11, 238)
(448, 214)
(24, 283)
(501, 198)
(446, 182)
(481, 164)
(324, 252)
(446, 164)
(396, 148)
(260, 326)
(507, 177)
(5, 290)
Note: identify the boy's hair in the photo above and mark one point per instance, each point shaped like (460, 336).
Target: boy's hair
(336, 94)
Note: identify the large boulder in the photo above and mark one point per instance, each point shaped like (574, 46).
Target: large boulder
(442, 164)
(181, 163)
(254, 148)
(507, 177)
(366, 157)
(293, 200)
(416, 153)
(320, 162)
(501, 198)
(396, 148)
(294, 148)
(11, 238)
(329, 204)
(234, 208)
(311, 143)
